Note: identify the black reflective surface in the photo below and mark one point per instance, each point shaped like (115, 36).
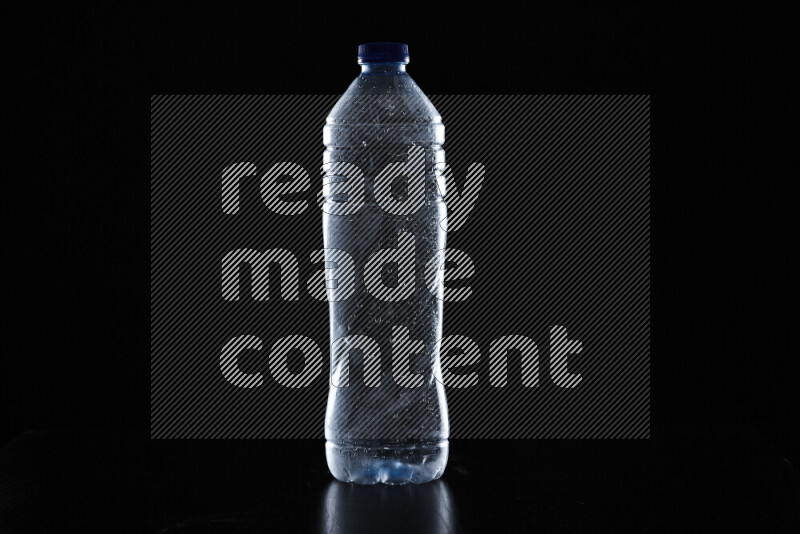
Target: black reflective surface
(683, 480)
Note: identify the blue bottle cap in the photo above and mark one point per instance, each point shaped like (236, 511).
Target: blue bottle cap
(383, 53)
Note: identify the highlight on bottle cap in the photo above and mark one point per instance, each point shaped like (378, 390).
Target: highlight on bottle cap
(383, 53)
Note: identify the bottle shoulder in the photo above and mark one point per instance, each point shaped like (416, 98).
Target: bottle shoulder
(383, 99)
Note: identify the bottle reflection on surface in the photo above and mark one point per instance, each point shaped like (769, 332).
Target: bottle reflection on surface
(418, 509)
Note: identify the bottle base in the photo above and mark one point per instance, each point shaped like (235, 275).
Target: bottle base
(414, 462)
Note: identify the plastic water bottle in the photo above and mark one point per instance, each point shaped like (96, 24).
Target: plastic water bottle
(384, 224)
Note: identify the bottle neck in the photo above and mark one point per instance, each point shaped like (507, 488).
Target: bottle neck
(383, 68)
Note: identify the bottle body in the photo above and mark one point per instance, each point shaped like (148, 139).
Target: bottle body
(384, 220)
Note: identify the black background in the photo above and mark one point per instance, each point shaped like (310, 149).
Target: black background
(75, 366)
